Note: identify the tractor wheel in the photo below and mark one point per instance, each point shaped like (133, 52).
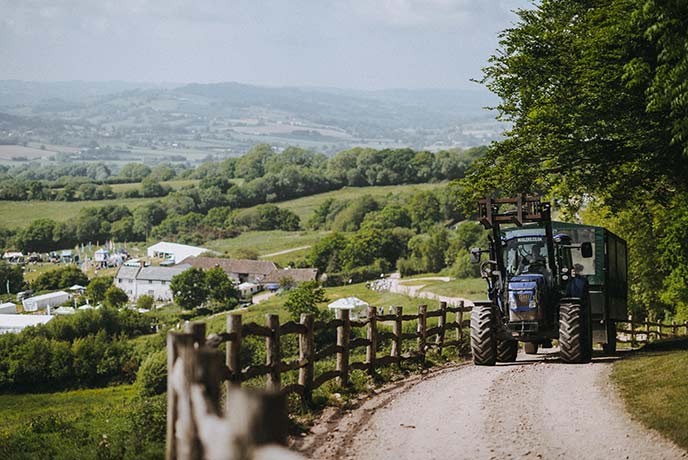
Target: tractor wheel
(483, 335)
(530, 348)
(507, 351)
(575, 344)
(610, 346)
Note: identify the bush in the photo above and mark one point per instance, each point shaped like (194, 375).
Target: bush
(146, 302)
(151, 379)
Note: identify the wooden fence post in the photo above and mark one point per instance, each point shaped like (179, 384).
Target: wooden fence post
(188, 445)
(233, 349)
(459, 323)
(172, 354)
(633, 341)
(306, 357)
(422, 328)
(371, 349)
(343, 334)
(397, 330)
(647, 331)
(441, 322)
(273, 357)
(197, 331)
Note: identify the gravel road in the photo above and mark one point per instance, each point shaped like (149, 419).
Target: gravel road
(536, 408)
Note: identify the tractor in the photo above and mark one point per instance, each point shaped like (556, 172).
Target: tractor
(545, 281)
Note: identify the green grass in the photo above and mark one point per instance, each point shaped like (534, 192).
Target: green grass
(470, 288)
(18, 409)
(304, 207)
(18, 214)
(275, 304)
(267, 242)
(653, 384)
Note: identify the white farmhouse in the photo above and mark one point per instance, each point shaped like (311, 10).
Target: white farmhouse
(152, 281)
(45, 300)
(174, 251)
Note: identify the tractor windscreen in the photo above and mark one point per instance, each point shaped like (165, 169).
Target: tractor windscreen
(526, 255)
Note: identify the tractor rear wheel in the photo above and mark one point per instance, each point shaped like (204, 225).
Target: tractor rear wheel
(483, 335)
(530, 348)
(575, 344)
(507, 351)
(610, 346)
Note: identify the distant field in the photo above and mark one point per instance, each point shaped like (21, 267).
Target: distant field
(266, 242)
(9, 151)
(304, 207)
(17, 214)
(470, 288)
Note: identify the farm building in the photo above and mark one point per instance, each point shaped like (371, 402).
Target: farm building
(16, 323)
(45, 300)
(296, 275)
(152, 281)
(174, 251)
(241, 270)
(8, 308)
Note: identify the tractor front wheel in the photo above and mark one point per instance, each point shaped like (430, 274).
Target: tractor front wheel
(483, 335)
(575, 345)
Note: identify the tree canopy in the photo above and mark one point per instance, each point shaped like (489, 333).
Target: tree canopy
(595, 93)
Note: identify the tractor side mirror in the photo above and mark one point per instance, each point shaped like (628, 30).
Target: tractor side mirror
(586, 250)
(475, 255)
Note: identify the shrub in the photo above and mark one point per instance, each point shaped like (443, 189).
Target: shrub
(151, 379)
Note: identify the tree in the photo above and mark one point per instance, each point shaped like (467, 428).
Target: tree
(59, 278)
(189, 288)
(115, 297)
(305, 299)
(220, 287)
(11, 278)
(97, 288)
(145, 302)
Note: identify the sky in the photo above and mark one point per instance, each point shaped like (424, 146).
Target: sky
(361, 44)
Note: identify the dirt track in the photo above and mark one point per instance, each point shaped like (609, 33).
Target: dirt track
(537, 408)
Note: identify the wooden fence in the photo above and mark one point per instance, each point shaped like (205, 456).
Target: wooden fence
(198, 428)
(636, 333)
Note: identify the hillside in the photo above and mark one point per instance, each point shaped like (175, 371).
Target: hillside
(222, 119)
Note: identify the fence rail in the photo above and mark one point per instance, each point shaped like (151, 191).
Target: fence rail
(273, 332)
(636, 332)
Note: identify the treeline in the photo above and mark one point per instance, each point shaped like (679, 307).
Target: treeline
(90, 348)
(413, 232)
(212, 209)
(602, 128)
(271, 175)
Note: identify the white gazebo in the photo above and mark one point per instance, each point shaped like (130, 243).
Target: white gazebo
(355, 305)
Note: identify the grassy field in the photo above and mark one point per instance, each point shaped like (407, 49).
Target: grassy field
(653, 384)
(265, 243)
(304, 207)
(275, 304)
(18, 214)
(471, 288)
(18, 409)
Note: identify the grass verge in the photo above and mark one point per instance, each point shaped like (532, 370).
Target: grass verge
(653, 385)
